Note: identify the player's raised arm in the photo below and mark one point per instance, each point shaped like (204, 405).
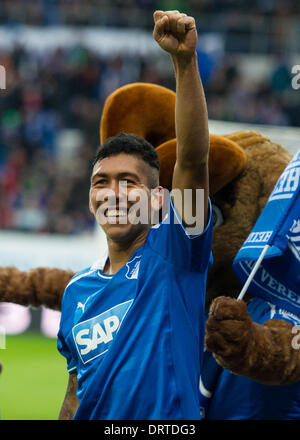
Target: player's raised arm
(176, 33)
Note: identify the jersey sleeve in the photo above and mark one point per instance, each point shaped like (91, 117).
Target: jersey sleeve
(64, 351)
(171, 240)
(62, 345)
(68, 307)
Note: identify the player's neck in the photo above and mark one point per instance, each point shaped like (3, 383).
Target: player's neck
(119, 253)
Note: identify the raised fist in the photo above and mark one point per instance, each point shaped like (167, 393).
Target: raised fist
(175, 32)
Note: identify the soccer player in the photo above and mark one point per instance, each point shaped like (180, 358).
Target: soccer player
(132, 325)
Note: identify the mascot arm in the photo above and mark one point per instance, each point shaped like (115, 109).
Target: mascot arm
(263, 353)
(41, 286)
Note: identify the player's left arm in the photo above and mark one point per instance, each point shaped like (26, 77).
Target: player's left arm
(176, 33)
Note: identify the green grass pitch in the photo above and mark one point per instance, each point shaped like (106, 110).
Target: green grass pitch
(34, 378)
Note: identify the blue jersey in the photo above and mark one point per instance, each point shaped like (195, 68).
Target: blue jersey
(136, 338)
(227, 396)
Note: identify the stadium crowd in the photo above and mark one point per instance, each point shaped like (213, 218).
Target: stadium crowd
(62, 92)
(45, 97)
(132, 12)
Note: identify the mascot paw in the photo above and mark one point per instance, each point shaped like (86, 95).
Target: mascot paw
(228, 328)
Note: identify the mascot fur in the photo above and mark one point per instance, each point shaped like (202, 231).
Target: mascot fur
(243, 169)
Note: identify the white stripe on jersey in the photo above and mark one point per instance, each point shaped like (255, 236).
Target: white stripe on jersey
(80, 276)
(204, 391)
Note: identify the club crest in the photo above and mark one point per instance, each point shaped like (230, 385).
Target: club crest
(133, 267)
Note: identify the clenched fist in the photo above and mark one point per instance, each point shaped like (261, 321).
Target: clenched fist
(175, 32)
(229, 329)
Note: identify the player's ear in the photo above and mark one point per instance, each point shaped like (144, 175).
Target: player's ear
(91, 207)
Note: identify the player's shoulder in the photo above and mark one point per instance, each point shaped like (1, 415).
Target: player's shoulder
(88, 272)
(75, 286)
(81, 274)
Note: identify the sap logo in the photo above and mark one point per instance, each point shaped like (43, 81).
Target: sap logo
(94, 336)
(99, 335)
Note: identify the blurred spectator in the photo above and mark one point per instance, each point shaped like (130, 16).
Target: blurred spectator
(49, 128)
(231, 97)
(131, 12)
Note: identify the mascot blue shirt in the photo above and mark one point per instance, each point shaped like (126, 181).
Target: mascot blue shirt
(227, 396)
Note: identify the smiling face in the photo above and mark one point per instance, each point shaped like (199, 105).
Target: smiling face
(121, 197)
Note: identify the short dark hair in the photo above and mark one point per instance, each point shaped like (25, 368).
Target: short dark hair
(128, 143)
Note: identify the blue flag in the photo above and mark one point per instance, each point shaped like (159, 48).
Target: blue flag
(276, 238)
